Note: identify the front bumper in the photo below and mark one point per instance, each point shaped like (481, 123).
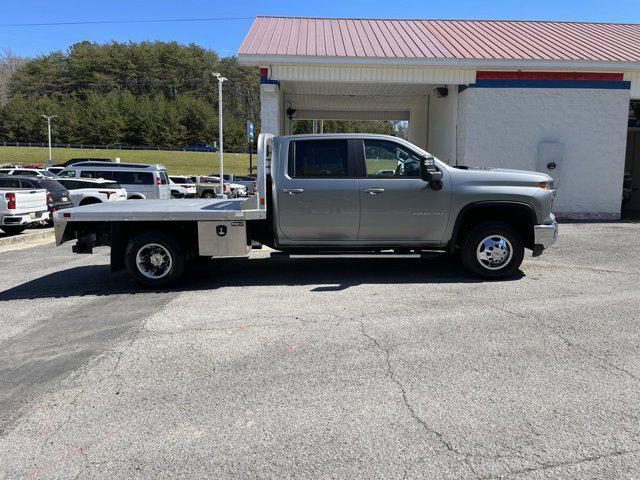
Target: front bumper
(544, 236)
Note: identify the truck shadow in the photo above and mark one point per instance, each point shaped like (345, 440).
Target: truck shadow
(320, 274)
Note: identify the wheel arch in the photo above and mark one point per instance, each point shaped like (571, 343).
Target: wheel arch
(521, 216)
(89, 201)
(184, 233)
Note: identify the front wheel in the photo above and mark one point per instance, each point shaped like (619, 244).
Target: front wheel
(492, 250)
(154, 259)
(13, 229)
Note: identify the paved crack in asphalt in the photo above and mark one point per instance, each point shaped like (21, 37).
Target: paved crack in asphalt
(603, 361)
(432, 431)
(565, 463)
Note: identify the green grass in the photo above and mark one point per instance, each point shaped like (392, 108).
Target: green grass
(177, 163)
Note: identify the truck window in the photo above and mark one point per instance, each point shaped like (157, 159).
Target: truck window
(318, 158)
(390, 160)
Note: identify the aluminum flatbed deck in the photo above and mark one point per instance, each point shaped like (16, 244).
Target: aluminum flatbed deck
(198, 209)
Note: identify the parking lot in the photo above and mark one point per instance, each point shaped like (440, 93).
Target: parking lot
(324, 368)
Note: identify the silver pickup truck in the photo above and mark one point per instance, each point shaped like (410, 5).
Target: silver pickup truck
(321, 194)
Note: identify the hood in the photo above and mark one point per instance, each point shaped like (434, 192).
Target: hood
(500, 176)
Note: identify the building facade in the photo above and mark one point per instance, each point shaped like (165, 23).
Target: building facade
(556, 97)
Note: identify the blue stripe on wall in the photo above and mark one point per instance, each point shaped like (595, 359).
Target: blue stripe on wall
(516, 83)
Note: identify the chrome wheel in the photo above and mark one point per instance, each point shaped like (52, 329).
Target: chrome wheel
(154, 261)
(494, 252)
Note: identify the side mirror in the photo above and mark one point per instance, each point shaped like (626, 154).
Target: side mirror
(430, 174)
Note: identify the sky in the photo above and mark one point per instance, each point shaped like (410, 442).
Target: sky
(225, 36)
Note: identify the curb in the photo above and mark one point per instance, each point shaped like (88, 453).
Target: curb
(27, 236)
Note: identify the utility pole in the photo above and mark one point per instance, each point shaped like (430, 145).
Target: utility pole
(49, 118)
(221, 79)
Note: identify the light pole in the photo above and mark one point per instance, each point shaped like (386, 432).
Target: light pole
(221, 79)
(49, 118)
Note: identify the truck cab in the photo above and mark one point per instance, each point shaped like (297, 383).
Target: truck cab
(328, 192)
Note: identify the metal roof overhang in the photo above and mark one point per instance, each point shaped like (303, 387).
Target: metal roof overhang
(577, 65)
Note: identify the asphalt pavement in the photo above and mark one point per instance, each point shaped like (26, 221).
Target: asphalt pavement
(324, 368)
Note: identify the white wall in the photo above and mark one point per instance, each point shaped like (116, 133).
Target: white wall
(503, 127)
(417, 131)
(272, 115)
(443, 113)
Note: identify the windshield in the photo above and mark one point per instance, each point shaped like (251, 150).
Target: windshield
(47, 173)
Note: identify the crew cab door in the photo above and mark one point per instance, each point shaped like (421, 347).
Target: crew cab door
(317, 193)
(396, 206)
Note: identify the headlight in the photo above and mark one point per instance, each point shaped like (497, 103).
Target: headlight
(547, 185)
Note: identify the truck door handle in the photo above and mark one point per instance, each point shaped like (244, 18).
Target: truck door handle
(374, 191)
(292, 191)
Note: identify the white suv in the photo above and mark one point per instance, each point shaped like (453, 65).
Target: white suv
(87, 191)
(182, 187)
(141, 181)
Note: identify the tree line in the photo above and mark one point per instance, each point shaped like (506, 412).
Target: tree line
(146, 93)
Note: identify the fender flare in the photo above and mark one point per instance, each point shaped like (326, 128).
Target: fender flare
(488, 203)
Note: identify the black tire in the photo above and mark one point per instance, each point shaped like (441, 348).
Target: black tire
(169, 248)
(208, 194)
(500, 231)
(13, 229)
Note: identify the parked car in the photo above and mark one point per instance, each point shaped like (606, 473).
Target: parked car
(247, 181)
(324, 200)
(234, 190)
(182, 187)
(39, 166)
(57, 196)
(20, 207)
(201, 147)
(208, 187)
(87, 191)
(31, 172)
(142, 181)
